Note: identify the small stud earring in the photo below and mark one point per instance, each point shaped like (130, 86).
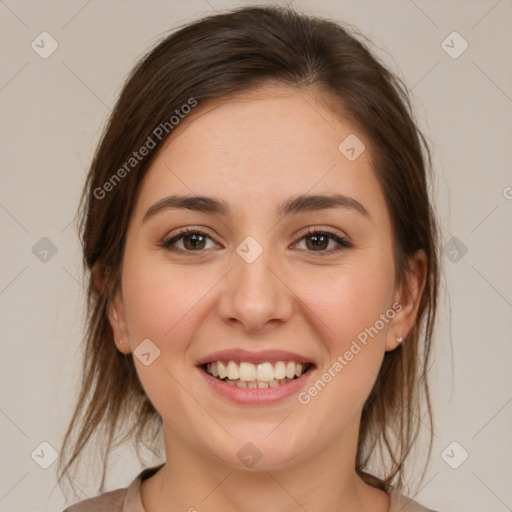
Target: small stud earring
(121, 341)
(399, 339)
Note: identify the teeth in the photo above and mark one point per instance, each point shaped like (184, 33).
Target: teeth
(256, 384)
(263, 375)
(280, 370)
(222, 372)
(290, 370)
(247, 372)
(265, 372)
(232, 371)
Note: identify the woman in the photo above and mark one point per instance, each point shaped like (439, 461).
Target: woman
(263, 262)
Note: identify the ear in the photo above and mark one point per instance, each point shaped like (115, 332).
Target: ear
(117, 319)
(408, 295)
(100, 273)
(116, 314)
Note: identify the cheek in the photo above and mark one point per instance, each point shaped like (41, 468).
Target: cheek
(159, 297)
(350, 299)
(348, 305)
(347, 308)
(162, 304)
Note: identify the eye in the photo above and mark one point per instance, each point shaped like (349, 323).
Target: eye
(318, 240)
(191, 240)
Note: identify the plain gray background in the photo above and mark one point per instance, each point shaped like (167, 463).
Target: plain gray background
(52, 112)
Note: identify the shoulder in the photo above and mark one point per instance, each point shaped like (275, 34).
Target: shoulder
(121, 500)
(401, 503)
(112, 501)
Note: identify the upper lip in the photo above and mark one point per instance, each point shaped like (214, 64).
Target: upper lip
(263, 356)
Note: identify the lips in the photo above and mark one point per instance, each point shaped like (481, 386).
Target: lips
(255, 377)
(255, 368)
(254, 392)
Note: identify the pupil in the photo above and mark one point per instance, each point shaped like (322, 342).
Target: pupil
(196, 241)
(317, 238)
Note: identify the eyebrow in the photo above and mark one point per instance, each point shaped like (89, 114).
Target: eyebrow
(293, 205)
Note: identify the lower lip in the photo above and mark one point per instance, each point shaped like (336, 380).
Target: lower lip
(256, 396)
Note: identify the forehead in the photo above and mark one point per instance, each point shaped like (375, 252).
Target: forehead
(267, 127)
(263, 146)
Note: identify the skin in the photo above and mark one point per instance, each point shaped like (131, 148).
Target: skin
(255, 151)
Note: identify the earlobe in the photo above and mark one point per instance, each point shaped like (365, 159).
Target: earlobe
(116, 316)
(117, 319)
(408, 295)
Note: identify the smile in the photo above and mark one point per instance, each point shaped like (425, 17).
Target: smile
(252, 376)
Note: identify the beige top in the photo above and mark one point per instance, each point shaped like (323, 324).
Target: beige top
(129, 500)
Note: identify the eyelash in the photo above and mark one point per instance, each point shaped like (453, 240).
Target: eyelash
(343, 242)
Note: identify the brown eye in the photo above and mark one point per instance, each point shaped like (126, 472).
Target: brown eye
(188, 241)
(317, 242)
(194, 241)
(324, 242)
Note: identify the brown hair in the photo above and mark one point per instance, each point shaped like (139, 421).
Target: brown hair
(212, 58)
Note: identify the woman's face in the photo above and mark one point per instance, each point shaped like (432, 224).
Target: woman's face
(251, 280)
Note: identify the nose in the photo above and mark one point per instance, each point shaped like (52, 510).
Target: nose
(255, 295)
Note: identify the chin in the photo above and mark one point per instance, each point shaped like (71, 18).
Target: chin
(255, 451)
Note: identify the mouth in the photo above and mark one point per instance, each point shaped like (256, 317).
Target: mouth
(245, 374)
